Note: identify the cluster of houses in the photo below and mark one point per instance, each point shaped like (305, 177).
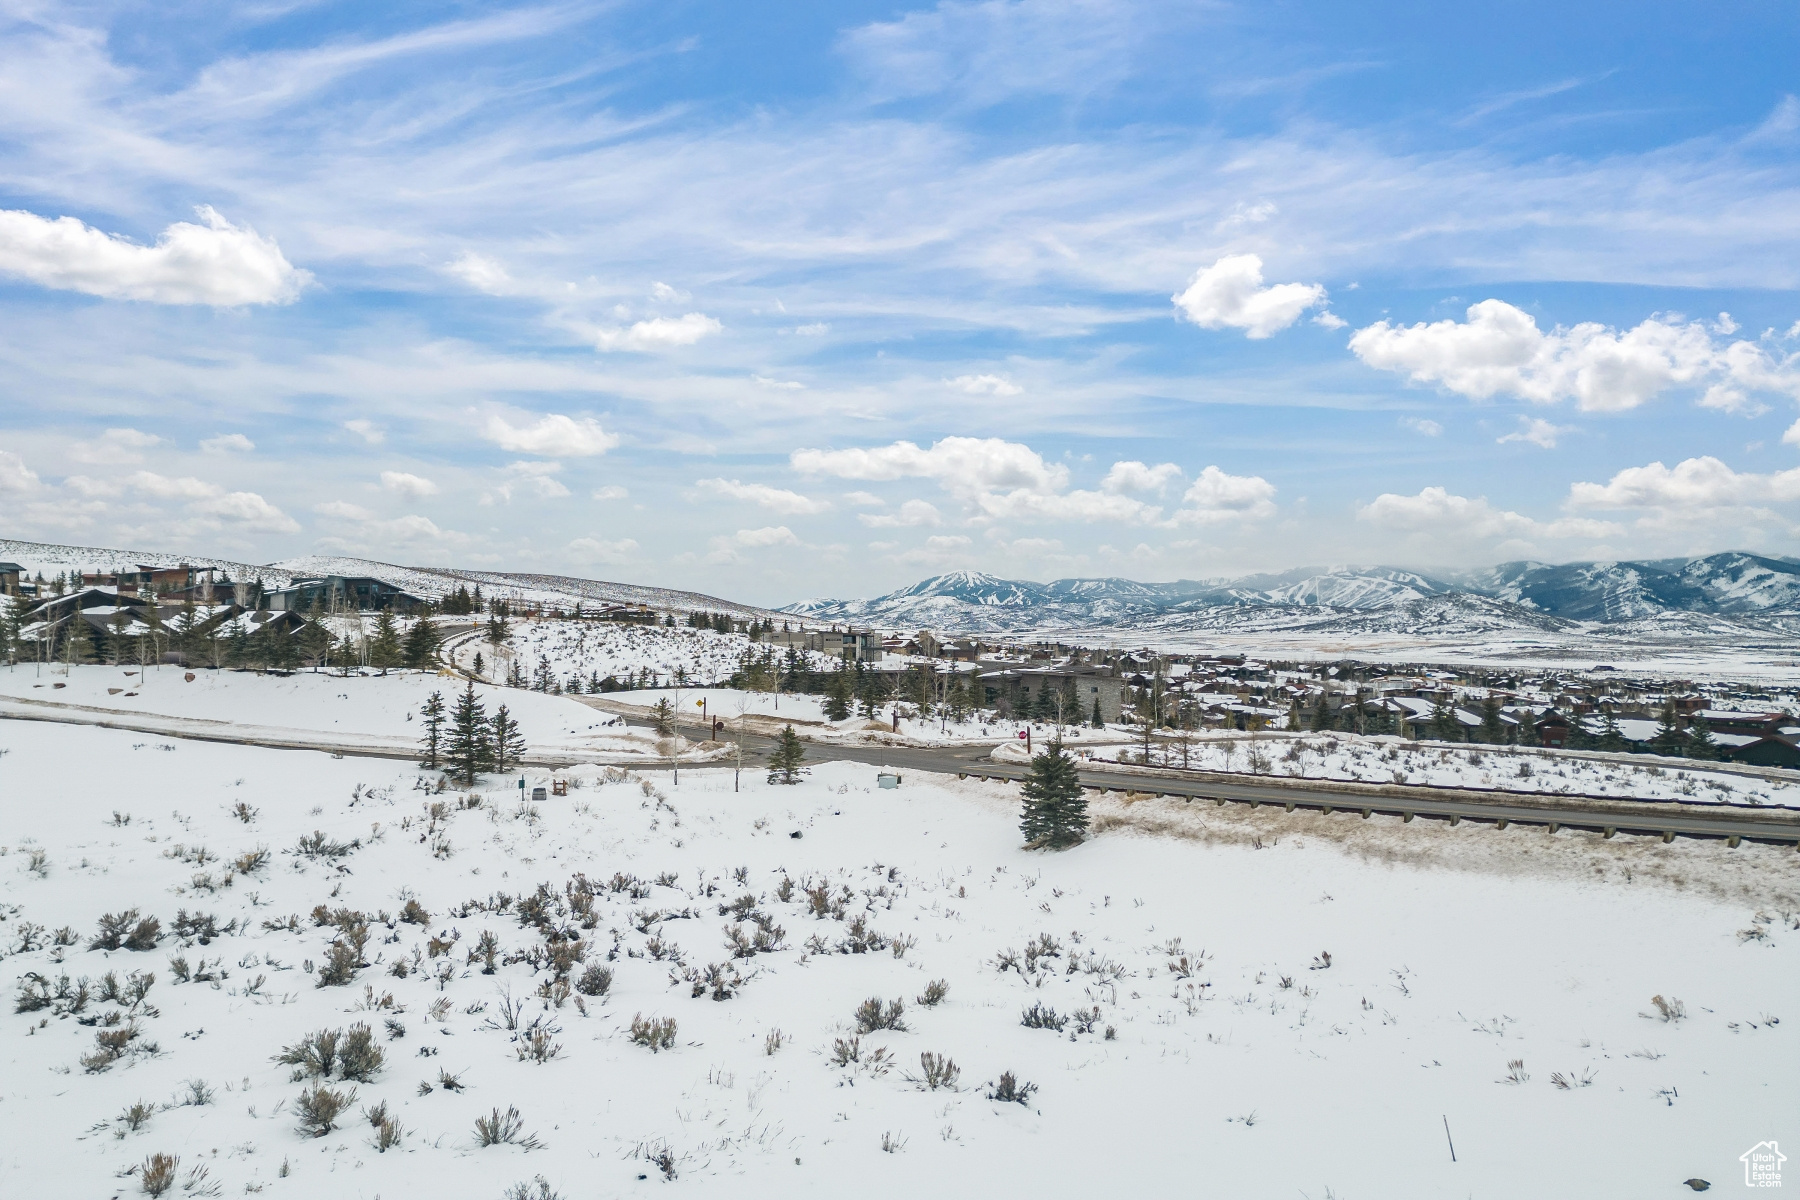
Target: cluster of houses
(164, 612)
(1231, 691)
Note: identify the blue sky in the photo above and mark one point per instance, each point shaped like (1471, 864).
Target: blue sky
(803, 299)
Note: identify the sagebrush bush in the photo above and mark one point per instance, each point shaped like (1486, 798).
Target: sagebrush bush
(872, 1015)
(504, 1129)
(157, 1175)
(656, 1033)
(1011, 1090)
(934, 994)
(319, 1107)
(144, 935)
(595, 981)
(1042, 1016)
(413, 913)
(936, 1071)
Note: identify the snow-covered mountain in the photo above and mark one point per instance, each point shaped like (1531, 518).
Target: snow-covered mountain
(1523, 596)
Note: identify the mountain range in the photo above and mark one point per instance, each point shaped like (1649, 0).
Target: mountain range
(1522, 595)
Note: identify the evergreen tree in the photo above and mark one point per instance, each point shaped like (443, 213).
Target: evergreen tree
(1528, 733)
(1321, 715)
(432, 718)
(421, 645)
(385, 650)
(1700, 743)
(1444, 725)
(837, 699)
(468, 751)
(507, 743)
(785, 759)
(1670, 738)
(1293, 720)
(480, 666)
(1611, 736)
(1099, 722)
(1493, 730)
(515, 675)
(1055, 810)
(662, 717)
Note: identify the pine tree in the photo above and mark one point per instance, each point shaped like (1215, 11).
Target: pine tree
(1670, 738)
(1493, 730)
(1055, 810)
(662, 717)
(1528, 733)
(1444, 725)
(837, 699)
(1293, 720)
(468, 752)
(1321, 716)
(76, 639)
(1700, 743)
(1099, 722)
(507, 742)
(785, 759)
(385, 650)
(421, 644)
(1611, 736)
(432, 715)
(480, 666)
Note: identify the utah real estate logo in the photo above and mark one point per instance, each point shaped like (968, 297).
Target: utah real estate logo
(1762, 1165)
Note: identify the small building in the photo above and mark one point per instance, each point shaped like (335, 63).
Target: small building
(11, 573)
(1773, 750)
(363, 593)
(852, 645)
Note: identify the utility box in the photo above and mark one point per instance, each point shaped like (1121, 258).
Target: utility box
(538, 793)
(887, 781)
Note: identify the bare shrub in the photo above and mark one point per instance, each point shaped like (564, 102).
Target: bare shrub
(319, 1107)
(251, 861)
(933, 995)
(504, 1129)
(114, 927)
(773, 1041)
(1011, 1091)
(313, 1056)
(1515, 1071)
(136, 1116)
(537, 1047)
(342, 962)
(537, 1189)
(413, 913)
(1567, 1082)
(245, 813)
(935, 1071)
(891, 1144)
(595, 981)
(359, 1057)
(1042, 1016)
(872, 1015)
(195, 1093)
(845, 1051)
(316, 845)
(656, 1033)
(1667, 1011)
(157, 1175)
(388, 1134)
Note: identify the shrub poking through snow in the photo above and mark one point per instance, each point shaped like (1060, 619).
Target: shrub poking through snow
(414, 914)
(316, 845)
(319, 1107)
(1042, 1016)
(537, 1189)
(126, 931)
(933, 995)
(595, 981)
(504, 1129)
(1515, 1071)
(1011, 1091)
(773, 1041)
(537, 1047)
(136, 1116)
(656, 1033)
(353, 1055)
(1669, 1011)
(872, 1015)
(157, 1175)
(935, 1071)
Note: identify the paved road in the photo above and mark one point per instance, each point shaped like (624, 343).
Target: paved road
(1641, 817)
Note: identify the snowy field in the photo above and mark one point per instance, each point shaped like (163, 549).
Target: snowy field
(359, 711)
(768, 712)
(584, 649)
(1388, 760)
(1205, 1046)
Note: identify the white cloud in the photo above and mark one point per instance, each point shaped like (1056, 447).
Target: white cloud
(665, 294)
(1230, 294)
(963, 466)
(228, 443)
(413, 487)
(1499, 349)
(366, 430)
(164, 488)
(481, 273)
(1694, 484)
(216, 263)
(15, 476)
(552, 434)
(784, 385)
(343, 510)
(816, 329)
(1436, 511)
(595, 550)
(658, 333)
(1537, 431)
(611, 491)
(871, 500)
(249, 510)
(776, 499)
(1329, 320)
(950, 541)
(983, 385)
(913, 512)
(1424, 425)
(115, 446)
(531, 478)
(1216, 496)
(1132, 476)
(1792, 436)
(768, 535)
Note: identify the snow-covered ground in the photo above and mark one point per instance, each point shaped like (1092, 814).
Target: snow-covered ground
(1206, 1047)
(1388, 760)
(582, 650)
(365, 710)
(807, 714)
